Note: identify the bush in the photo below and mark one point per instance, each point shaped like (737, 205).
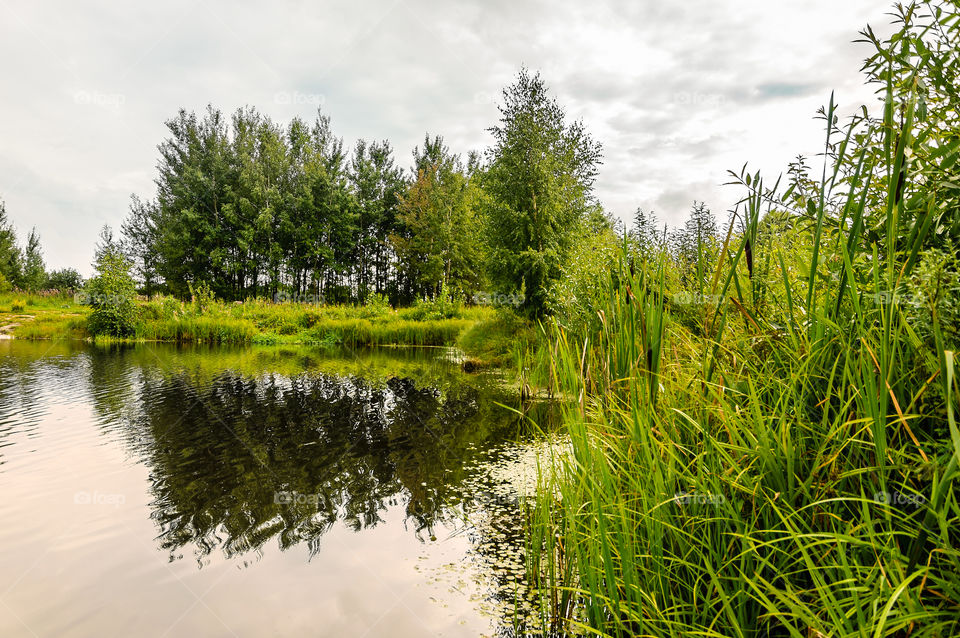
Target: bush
(443, 306)
(377, 305)
(111, 293)
(203, 297)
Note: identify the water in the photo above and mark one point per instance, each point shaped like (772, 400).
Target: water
(168, 491)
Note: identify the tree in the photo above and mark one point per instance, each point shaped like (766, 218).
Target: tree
(322, 210)
(917, 74)
(377, 187)
(195, 238)
(64, 279)
(539, 182)
(10, 257)
(646, 233)
(139, 243)
(696, 246)
(111, 291)
(437, 242)
(34, 270)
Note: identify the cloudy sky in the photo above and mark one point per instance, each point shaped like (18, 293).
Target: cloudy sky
(677, 92)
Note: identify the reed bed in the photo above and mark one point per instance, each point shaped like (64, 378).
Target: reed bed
(789, 469)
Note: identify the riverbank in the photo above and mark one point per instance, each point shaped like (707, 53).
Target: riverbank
(487, 336)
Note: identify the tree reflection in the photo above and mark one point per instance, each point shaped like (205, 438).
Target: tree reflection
(239, 460)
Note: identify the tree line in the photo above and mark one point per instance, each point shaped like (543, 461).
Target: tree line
(249, 208)
(254, 209)
(23, 267)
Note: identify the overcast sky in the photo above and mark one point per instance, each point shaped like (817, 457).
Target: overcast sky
(677, 92)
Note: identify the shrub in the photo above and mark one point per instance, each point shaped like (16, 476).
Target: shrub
(203, 297)
(377, 305)
(111, 292)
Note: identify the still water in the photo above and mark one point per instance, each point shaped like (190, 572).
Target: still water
(171, 491)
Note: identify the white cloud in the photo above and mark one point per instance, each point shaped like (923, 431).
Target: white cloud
(678, 94)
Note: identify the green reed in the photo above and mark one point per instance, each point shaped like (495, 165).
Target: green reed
(785, 473)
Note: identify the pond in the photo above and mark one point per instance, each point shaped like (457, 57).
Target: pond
(157, 490)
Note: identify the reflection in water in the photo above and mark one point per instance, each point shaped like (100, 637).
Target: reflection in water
(242, 460)
(243, 448)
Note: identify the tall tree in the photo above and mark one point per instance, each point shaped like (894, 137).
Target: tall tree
(377, 185)
(194, 240)
(139, 235)
(34, 270)
(438, 242)
(10, 257)
(539, 181)
(645, 232)
(323, 213)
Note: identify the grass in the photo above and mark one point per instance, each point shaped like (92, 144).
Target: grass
(255, 321)
(42, 316)
(497, 339)
(788, 470)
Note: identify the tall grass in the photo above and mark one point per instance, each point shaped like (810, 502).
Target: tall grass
(254, 321)
(790, 472)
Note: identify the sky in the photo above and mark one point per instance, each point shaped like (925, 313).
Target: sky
(678, 93)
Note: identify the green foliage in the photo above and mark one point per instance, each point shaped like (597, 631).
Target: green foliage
(695, 247)
(377, 305)
(496, 340)
(10, 256)
(646, 233)
(34, 274)
(111, 291)
(244, 206)
(538, 183)
(439, 242)
(576, 295)
(377, 189)
(64, 279)
(932, 297)
(201, 297)
(916, 134)
(791, 468)
(165, 318)
(443, 306)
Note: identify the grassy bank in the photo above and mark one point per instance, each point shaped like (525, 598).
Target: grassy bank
(260, 322)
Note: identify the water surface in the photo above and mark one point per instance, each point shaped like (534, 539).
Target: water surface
(187, 491)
